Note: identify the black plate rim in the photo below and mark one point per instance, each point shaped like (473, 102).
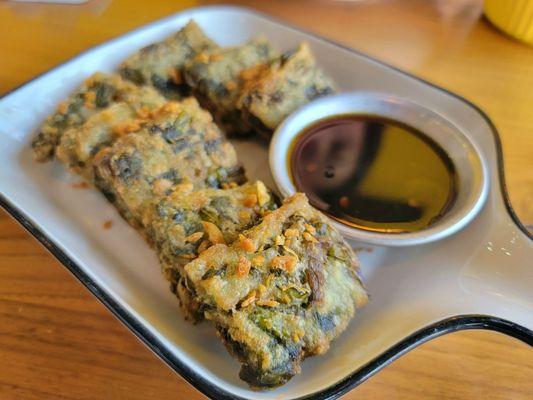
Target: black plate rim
(448, 325)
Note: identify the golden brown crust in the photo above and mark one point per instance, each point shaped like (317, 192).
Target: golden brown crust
(78, 145)
(216, 78)
(94, 94)
(161, 64)
(278, 283)
(272, 93)
(182, 226)
(180, 148)
(284, 295)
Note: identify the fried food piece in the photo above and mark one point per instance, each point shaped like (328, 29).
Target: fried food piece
(216, 78)
(289, 83)
(181, 148)
(160, 64)
(80, 144)
(281, 293)
(182, 226)
(96, 93)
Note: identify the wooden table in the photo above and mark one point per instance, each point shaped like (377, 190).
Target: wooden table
(58, 342)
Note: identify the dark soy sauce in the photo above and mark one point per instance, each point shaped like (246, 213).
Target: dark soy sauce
(373, 173)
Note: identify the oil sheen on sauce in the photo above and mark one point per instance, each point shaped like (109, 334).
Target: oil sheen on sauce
(373, 173)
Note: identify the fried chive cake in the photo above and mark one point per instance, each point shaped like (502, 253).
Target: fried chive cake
(96, 93)
(216, 78)
(280, 293)
(287, 84)
(184, 224)
(160, 64)
(181, 146)
(80, 144)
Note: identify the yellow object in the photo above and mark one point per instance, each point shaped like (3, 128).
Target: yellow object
(514, 17)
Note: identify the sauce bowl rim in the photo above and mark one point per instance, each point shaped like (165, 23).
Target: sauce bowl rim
(473, 194)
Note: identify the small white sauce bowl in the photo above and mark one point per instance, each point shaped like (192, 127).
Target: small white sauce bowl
(470, 166)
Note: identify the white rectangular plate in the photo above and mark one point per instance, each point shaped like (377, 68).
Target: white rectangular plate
(479, 278)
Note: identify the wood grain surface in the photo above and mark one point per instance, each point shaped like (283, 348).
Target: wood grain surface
(58, 342)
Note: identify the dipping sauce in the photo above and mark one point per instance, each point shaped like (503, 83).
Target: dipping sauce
(373, 173)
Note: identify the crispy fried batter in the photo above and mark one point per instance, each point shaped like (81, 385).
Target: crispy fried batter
(279, 284)
(173, 222)
(96, 93)
(160, 64)
(216, 78)
(179, 148)
(289, 83)
(293, 301)
(79, 145)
